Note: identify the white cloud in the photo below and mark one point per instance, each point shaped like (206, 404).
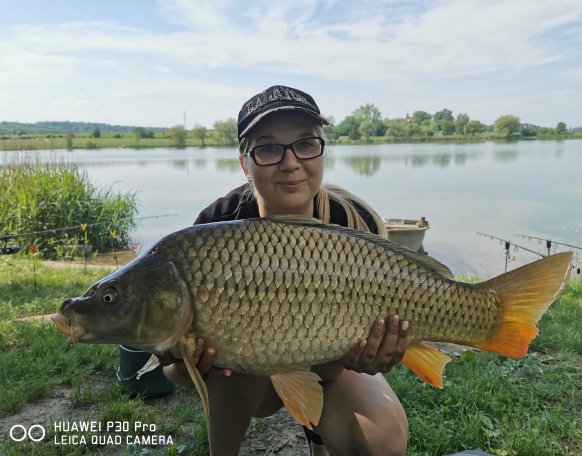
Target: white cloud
(372, 45)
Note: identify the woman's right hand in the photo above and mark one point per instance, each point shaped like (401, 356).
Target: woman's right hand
(203, 358)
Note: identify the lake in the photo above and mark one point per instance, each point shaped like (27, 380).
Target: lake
(502, 189)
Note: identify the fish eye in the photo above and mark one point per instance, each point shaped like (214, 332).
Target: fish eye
(109, 295)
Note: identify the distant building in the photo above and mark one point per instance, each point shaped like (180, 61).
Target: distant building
(407, 119)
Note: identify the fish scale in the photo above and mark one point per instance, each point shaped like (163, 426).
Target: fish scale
(296, 275)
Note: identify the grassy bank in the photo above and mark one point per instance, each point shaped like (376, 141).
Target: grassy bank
(160, 139)
(506, 407)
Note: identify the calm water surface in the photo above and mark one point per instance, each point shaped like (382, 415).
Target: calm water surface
(532, 188)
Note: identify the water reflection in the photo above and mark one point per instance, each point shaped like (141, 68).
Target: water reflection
(505, 155)
(364, 166)
(231, 165)
(442, 160)
(199, 163)
(460, 159)
(417, 160)
(180, 164)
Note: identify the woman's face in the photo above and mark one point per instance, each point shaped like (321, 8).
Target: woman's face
(290, 186)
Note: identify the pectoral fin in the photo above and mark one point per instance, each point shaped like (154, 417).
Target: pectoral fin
(426, 362)
(187, 351)
(302, 395)
(152, 363)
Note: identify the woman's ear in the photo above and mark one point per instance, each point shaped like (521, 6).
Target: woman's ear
(243, 165)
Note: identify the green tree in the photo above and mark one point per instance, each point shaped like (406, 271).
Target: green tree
(528, 130)
(545, 131)
(225, 132)
(178, 135)
(507, 125)
(330, 129)
(395, 128)
(199, 132)
(446, 127)
(370, 114)
(428, 129)
(419, 117)
(349, 127)
(560, 128)
(460, 123)
(138, 132)
(367, 128)
(413, 129)
(474, 127)
(96, 133)
(445, 114)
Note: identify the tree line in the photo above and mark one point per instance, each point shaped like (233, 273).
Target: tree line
(363, 124)
(366, 122)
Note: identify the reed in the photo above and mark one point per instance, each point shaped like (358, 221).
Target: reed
(40, 197)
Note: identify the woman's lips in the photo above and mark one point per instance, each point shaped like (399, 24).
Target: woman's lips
(292, 185)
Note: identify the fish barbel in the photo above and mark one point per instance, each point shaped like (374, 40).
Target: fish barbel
(278, 295)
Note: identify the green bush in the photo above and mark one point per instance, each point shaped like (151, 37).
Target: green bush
(41, 197)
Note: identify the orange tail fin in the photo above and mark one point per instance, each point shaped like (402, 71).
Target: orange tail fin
(525, 294)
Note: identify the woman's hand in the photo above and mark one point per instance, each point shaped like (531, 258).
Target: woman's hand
(383, 349)
(203, 358)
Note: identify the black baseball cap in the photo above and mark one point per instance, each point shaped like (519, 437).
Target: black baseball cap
(276, 98)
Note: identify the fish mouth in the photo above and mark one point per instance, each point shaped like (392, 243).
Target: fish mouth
(74, 331)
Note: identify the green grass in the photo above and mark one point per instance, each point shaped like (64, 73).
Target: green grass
(86, 141)
(506, 407)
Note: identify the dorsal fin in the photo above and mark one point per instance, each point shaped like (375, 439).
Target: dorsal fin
(425, 260)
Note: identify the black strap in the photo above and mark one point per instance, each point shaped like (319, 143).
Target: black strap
(312, 437)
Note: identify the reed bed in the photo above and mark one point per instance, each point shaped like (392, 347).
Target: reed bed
(53, 196)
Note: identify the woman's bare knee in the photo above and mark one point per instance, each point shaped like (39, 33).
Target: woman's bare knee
(388, 439)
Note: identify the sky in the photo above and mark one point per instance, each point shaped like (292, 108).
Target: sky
(157, 63)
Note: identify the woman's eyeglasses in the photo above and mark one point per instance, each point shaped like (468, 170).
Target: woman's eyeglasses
(303, 149)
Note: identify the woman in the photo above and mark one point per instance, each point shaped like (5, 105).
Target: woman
(281, 144)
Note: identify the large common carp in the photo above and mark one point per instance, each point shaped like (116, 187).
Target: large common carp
(278, 295)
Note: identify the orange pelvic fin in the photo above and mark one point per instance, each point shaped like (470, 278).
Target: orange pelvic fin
(525, 294)
(426, 362)
(302, 395)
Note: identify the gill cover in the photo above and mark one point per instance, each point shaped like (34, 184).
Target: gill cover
(169, 311)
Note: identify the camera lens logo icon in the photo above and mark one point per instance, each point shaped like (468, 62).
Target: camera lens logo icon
(18, 433)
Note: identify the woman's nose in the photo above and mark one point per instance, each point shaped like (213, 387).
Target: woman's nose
(290, 161)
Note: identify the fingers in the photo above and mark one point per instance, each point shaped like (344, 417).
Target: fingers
(351, 359)
(368, 359)
(383, 349)
(393, 346)
(205, 358)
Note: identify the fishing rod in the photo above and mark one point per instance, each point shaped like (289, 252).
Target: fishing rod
(508, 245)
(549, 242)
(82, 227)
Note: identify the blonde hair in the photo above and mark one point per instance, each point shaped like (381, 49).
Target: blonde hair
(346, 200)
(327, 193)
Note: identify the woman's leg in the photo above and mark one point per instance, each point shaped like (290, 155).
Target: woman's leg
(362, 416)
(234, 400)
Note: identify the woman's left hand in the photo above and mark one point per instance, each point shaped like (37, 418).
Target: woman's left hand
(382, 350)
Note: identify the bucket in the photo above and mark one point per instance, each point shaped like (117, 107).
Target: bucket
(150, 384)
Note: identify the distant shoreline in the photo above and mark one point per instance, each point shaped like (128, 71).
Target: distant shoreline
(86, 141)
